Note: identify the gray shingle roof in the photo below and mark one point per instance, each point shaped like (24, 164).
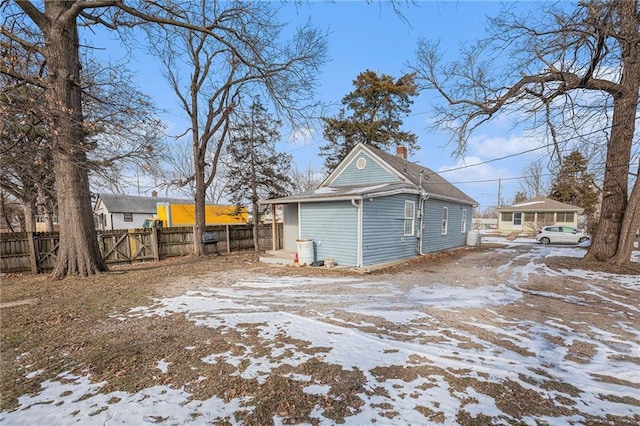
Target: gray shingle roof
(539, 204)
(117, 203)
(433, 183)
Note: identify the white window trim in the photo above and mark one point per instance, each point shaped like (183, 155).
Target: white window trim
(412, 206)
(445, 220)
(463, 226)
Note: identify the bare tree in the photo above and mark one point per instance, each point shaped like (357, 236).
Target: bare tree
(25, 157)
(181, 175)
(119, 127)
(240, 53)
(533, 182)
(572, 72)
(25, 160)
(306, 179)
(50, 29)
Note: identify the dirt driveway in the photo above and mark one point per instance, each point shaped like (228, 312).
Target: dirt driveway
(509, 334)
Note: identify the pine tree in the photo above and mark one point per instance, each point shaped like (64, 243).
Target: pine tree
(256, 169)
(377, 104)
(575, 186)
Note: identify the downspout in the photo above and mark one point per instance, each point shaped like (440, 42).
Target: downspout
(359, 237)
(299, 223)
(424, 196)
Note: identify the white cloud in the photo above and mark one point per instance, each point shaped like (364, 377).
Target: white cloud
(488, 147)
(302, 136)
(474, 169)
(482, 181)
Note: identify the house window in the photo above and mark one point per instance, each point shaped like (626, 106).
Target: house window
(545, 218)
(529, 217)
(463, 226)
(128, 217)
(445, 220)
(564, 217)
(507, 217)
(517, 219)
(409, 214)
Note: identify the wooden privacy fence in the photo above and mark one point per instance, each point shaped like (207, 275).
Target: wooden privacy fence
(36, 252)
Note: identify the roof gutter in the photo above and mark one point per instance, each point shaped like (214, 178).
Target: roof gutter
(343, 197)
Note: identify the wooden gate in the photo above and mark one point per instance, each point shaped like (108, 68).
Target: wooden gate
(47, 251)
(126, 247)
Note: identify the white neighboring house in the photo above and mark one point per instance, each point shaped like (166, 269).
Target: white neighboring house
(116, 211)
(530, 215)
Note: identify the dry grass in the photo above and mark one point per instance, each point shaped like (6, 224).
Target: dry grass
(70, 326)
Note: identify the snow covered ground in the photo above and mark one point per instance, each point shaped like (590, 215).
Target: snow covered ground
(459, 330)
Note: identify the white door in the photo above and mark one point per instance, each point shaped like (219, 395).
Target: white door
(517, 221)
(291, 227)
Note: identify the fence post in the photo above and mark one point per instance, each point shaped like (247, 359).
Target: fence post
(155, 247)
(274, 225)
(228, 239)
(33, 251)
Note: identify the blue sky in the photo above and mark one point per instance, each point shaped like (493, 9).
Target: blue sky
(371, 36)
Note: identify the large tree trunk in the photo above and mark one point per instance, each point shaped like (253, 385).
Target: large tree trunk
(78, 253)
(630, 226)
(614, 197)
(200, 223)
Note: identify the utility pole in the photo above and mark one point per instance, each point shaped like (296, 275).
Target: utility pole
(499, 191)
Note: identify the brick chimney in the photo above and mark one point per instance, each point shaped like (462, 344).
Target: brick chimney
(154, 193)
(401, 152)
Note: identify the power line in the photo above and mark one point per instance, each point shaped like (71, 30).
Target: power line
(529, 176)
(524, 152)
(494, 159)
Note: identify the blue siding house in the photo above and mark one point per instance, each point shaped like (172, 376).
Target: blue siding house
(377, 208)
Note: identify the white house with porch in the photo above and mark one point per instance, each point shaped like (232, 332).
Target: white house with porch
(530, 215)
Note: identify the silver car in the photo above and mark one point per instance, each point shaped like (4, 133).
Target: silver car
(561, 234)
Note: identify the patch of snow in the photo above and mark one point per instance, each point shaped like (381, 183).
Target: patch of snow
(368, 188)
(530, 203)
(163, 366)
(317, 389)
(33, 374)
(324, 190)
